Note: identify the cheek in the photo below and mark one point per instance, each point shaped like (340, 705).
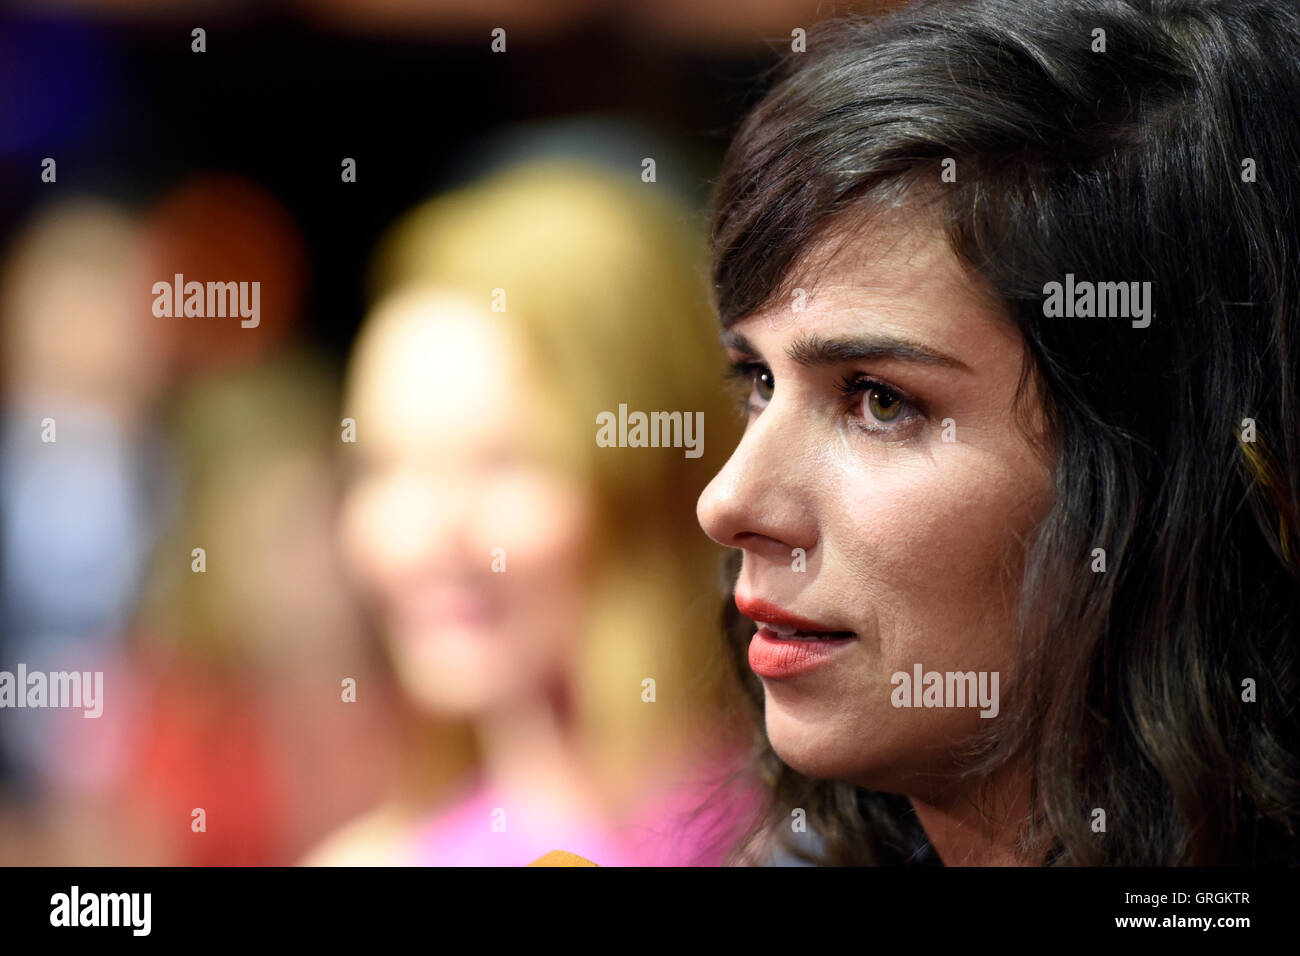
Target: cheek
(540, 521)
(391, 526)
(535, 527)
(936, 555)
(930, 559)
(365, 530)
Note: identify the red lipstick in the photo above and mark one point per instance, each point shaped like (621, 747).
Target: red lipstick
(765, 612)
(801, 646)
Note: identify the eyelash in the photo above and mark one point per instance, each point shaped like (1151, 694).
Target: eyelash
(853, 386)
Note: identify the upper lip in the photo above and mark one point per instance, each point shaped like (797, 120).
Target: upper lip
(765, 612)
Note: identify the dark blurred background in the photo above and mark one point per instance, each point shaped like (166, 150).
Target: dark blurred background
(409, 89)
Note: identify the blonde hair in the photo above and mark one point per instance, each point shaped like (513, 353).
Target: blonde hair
(604, 277)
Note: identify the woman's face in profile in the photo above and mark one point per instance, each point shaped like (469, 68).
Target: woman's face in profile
(470, 540)
(882, 488)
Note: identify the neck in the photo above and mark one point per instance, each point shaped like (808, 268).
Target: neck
(528, 747)
(977, 823)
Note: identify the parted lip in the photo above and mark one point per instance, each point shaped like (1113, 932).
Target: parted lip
(765, 612)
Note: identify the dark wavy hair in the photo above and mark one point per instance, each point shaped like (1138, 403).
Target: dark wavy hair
(1124, 165)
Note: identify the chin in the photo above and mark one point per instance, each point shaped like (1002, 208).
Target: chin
(858, 769)
(435, 694)
(829, 750)
(812, 749)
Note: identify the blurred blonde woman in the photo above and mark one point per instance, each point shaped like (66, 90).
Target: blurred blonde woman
(539, 592)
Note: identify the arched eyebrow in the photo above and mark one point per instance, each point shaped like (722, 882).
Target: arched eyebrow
(811, 350)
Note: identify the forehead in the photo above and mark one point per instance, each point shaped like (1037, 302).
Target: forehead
(439, 370)
(891, 273)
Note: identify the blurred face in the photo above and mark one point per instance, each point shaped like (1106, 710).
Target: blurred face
(74, 326)
(472, 542)
(879, 495)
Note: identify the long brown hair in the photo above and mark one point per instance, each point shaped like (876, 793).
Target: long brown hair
(1116, 139)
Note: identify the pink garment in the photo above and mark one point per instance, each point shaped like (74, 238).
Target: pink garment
(693, 824)
(463, 835)
(660, 834)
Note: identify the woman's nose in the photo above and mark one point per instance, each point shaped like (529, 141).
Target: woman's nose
(758, 501)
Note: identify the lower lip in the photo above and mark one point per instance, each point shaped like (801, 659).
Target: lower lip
(770, 656)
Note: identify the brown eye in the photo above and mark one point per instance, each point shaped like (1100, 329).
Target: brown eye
(764, 384)
(883, 404)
